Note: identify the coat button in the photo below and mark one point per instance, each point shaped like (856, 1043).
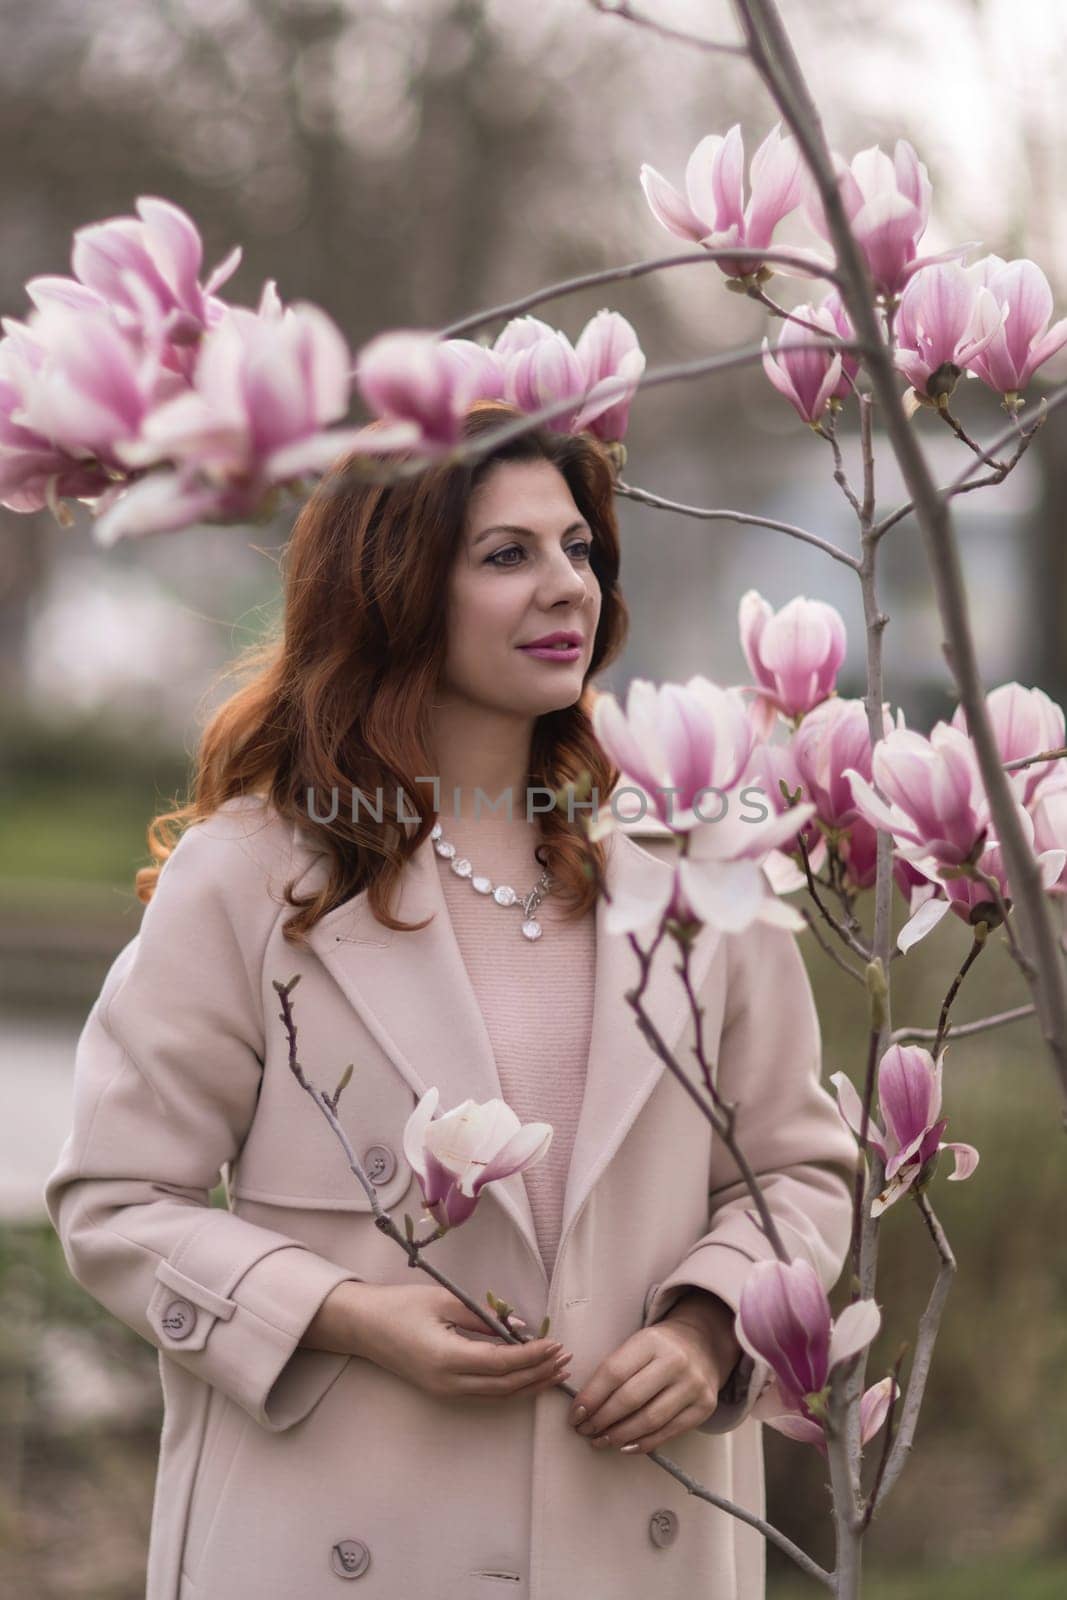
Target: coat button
(179, 1319)
(379, 1163)
(662, 1528)
(350, 1558)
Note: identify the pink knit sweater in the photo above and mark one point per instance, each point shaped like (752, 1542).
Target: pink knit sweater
(536, 995)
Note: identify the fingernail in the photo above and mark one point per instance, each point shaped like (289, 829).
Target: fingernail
(628, 1449)
(580, 1414)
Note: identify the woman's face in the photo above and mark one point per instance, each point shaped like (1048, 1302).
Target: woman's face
(508, 588)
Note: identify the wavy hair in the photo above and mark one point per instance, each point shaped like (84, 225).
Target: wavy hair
(338, 695)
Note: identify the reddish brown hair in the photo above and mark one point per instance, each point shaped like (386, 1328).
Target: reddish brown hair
(337, 697)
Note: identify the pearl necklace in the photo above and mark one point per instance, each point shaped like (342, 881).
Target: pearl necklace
(503, 893)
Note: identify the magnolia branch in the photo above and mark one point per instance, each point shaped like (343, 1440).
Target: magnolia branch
(413, 1248)
(743, 518)
(962, 1030)
(929, 1323)
(622, 8)
(634, 269)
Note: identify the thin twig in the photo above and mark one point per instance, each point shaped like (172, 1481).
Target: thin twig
(924, 1350)
(622, 8)
(824, 945)
(465, 326)
(743, 518)
(962, 1030)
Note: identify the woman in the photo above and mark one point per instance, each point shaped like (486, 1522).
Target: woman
(331, 1415)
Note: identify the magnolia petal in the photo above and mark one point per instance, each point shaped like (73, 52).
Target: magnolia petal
(853, 1330)
(413, 1139)
(851, 1108)
(669, 208)
(966, 1160)
(524, 1149)
(927, 917)
(803, 1429)
(874, 1406)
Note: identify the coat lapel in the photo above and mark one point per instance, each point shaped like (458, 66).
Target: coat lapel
(413, 993)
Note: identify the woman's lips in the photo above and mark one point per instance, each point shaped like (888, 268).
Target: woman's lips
(552, 652)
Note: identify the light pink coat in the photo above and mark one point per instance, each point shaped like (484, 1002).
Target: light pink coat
(286, 1472)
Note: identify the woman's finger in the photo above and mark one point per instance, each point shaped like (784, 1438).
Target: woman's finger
(691, 1417)
(477, 1358)
(497, 1386)
(636, 1391)
(658, 1412)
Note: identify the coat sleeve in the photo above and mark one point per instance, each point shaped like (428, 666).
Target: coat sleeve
(167, 1074)
(792, 1134)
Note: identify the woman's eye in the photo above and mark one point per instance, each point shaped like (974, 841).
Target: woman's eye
(581, 545)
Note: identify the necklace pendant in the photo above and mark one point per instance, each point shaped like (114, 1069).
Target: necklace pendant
(532, 928)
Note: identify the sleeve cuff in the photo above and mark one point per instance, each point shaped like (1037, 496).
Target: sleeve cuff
(247, 1342)
(721, 1270)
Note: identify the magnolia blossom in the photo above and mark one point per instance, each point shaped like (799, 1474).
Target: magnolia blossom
(74, 389)
(1015, 312)
(416, 377)
(794, 654)
(264, 386)
(713, 211)
(887, 203)
(676, 742)
(411, 376)
(784, 1319)
(594, 383)
(909, 1100)
(607, 349)
(833, 739)
(803, 370)
(969, 896)
(943, 322)
(834, 306)
(1049, 813)
(936, 804)
(1025, 722)
(939, 816)
(688, 749)
(773, 765)
(147, 269)
(455, 1155)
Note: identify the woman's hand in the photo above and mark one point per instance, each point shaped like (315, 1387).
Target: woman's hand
(662, 1380)
(424, 1334)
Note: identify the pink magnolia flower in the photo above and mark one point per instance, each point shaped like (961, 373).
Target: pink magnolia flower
(1049, 813)
(73, 390)
(831, 740)
(688, 750)
(676, 742)
(936, 804)
(410, 376)
(909, 1101)
(713, 211)
(939, 817)
(772, 765)
(1015, 312)
(264, 386)
(887, 203)
(807, 373)
(593, 384)
(608, 348)
(833, 306)
(455, 1155)
(148, 267)
(794, 654)
(942, 324)
(1025, 723)
(430, 383)
(784, 1319)
(970, 897)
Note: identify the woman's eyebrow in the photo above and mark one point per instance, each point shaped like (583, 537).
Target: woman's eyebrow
(511, 527)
